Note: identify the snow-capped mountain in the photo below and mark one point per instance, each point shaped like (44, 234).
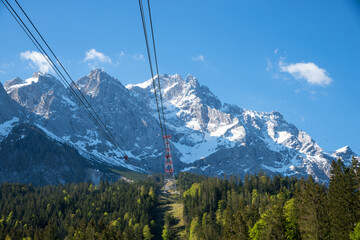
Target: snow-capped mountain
(345, 153)
(62, 117)
(208, 136)
(215, 138)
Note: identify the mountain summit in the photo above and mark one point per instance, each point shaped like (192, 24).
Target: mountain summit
(208, 137)
(215, 138)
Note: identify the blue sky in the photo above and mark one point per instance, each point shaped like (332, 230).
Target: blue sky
(301, 58)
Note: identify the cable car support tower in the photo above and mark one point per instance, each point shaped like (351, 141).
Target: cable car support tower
(169, 175)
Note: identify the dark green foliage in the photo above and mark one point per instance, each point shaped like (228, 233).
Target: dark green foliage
(259, 207)
(344, 201)
(229, 209)
(77, 211)
(275, 208)
(185, 180)
(313, 214)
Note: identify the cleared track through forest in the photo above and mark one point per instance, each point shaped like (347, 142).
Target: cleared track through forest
(171, 206)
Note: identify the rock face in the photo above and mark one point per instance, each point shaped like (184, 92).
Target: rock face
(128, 118)
(10, 114)
(9, 109)
(208, 137)
(215, 138)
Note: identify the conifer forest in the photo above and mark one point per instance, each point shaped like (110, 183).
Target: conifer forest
(258, 207)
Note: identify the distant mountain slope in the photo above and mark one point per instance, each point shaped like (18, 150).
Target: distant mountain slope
(9, 109)
(208, 137)
(62, 117)
(28, 155)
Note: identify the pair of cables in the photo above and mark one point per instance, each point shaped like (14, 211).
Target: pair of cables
(169, 177)
(160, 107)
(59, 69)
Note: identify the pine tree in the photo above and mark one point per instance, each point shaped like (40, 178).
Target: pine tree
(291, 221)
(147, 233)
(194, 229)
(343, 200)
(310, 200)
(242, 230)
(166, 234)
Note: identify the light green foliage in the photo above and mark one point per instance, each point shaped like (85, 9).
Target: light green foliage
(193, 191)
(147, 233)
(291, 221)
(166, 234)
(9, 218)
(194, 228)
(258, 230)
(152, 193)
(255, 197)
(355, 235)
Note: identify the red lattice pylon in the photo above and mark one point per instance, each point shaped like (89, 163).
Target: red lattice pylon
(169, 178)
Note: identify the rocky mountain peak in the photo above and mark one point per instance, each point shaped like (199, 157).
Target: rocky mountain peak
(96, 80)
(177, 89)
(208, 137)
(36, 93)
(345, 149)
(277, 115)
(190, 79)
(99, 74)
(345, 153)
(12, 82)
(38, 80)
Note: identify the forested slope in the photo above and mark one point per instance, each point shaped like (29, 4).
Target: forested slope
(275, 208)
(77, 211)
(258, 207)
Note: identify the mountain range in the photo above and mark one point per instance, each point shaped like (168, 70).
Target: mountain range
(208, 137)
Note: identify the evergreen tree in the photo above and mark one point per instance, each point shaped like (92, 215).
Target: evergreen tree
(310, 200)
(194, 229)
(166, 234)
(291, 221)
(147, 233)
(343, 200)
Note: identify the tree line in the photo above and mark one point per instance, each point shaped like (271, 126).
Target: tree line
(261, 207)
(77, 211)
(256, 207)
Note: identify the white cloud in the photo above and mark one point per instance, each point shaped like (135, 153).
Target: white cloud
(310, 72)
(138, 57)
(92, 54)
(38, 61)
(276, 51)
(199, 58)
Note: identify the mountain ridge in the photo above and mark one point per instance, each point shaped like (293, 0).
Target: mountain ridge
(208, 137)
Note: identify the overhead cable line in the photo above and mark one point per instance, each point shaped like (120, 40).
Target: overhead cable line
(81, 98)
(157, 68)
(151, 69)
(72, 81)
(169, 178)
